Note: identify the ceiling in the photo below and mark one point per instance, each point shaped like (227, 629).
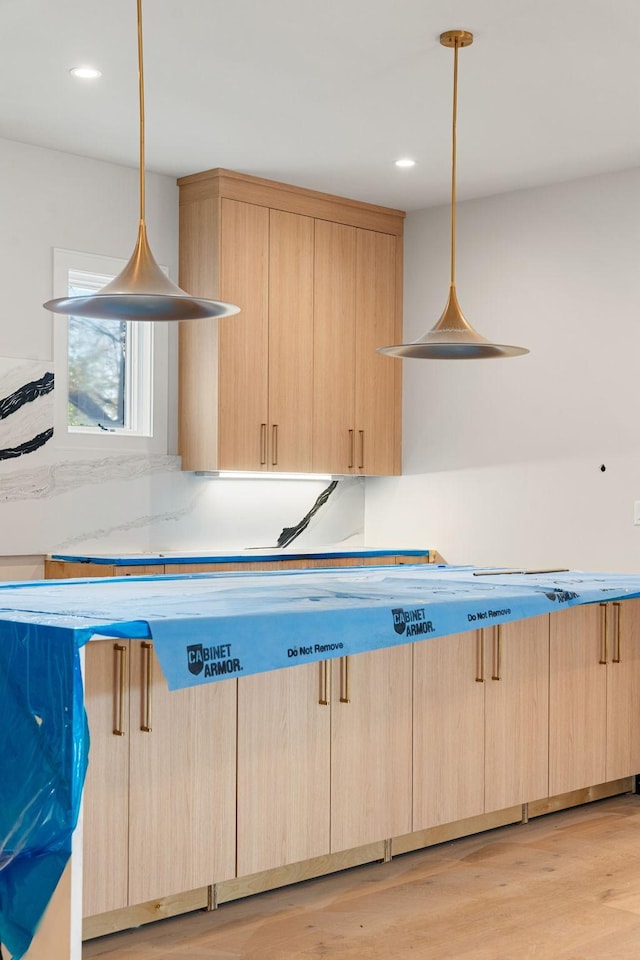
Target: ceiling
(328, 93)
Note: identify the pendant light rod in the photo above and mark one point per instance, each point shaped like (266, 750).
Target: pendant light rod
(142, 290)
(454, 142)
(453, 337)
(141, 103)
(455, 39)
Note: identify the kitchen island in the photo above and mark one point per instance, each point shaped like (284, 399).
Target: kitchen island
(341, 747)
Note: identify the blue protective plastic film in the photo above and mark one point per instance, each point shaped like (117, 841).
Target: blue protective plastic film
(205, 627)
(43, 745)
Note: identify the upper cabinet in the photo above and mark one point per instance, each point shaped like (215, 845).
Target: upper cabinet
(356, 424)
(293, 383)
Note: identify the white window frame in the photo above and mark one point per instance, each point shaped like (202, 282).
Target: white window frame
(147, 376)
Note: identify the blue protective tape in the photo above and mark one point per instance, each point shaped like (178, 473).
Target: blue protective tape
(206, 627)
(260, 626)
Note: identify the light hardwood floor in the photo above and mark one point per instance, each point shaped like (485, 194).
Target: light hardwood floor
(562, 887)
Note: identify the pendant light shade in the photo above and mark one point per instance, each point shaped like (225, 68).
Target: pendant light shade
(453, 337)
(141, 291)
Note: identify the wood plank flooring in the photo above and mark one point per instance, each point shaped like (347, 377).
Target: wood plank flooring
(562, 887)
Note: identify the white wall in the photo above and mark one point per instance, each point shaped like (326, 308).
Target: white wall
(51, 199)
(502, 457)
(72, 499)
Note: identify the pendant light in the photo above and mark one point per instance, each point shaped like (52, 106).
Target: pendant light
(453, 337)
(142, 291)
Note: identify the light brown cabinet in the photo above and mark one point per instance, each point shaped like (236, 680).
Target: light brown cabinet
(327, 749)
(293, 383)
(517, 714)
(242, 380)
(594, 695)
(623, 689)
(283, 768)
(159, 802)
(291, 367)
(105, 817)
(371, 760)
(480, 721)
(264, 372)
(355, 412)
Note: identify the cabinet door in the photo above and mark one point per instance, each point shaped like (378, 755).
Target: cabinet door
(378, 380)
(517, 714)
(577, 699)
(283, 768)
(243, 340)
(182, 782)
(623, 689)
(290, 341)
(105, 811)
(448, 729)
(371, 747)
(334, 429)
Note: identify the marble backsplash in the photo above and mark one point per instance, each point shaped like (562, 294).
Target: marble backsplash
(57, 497)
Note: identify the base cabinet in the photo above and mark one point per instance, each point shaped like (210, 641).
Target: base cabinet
(480, 721)
(594, 695)
(517, 715)
(371, 726)
(213, 784)
(160, 791)
(283, 768)
(105, 806)
(327, 750)
(623, 690)
(448, 725)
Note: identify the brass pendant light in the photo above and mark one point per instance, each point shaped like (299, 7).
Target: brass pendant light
(453, 337)
(141, 291)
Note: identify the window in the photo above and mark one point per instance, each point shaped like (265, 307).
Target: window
(111, 375)
(109, 368)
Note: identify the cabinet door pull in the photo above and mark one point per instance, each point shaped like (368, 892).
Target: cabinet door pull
(361, 464)
(604, 653)
(352, 450)
(323, 700)
(344, 680)
(147, 679)
(274, 444)
(263, 444)
(497, 653)
(616, 652)
(120, 669)
(480, 657)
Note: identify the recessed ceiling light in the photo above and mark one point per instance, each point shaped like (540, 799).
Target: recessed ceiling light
(405, 162)
(85, 73)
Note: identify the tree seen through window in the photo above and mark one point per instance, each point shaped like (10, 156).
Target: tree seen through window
(97, 357)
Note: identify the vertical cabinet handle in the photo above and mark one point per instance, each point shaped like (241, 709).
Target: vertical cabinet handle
(361, 464)
(351, 450)
(344, 680)
(263, 444)
(323, 699)
(497, 653)
(147, 680)
(120, 674)
(274, 444)
(604, 654)
(480, 657)
(616, 650)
